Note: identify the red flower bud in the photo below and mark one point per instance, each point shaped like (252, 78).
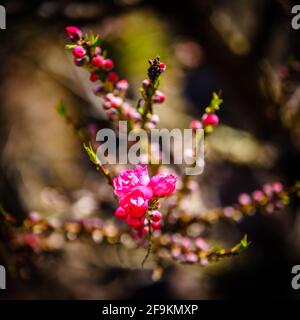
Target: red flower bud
(97, 61)
(210, 119)
(156, 216)
(108, 64)
(73, 33)
(121, 214)
(112, 77)
(94, 77)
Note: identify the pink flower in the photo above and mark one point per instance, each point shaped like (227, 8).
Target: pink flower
(135, 202)
(163, 184)
(131, 178)
(73, 33)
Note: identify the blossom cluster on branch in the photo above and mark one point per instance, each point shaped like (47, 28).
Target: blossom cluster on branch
(151, 206)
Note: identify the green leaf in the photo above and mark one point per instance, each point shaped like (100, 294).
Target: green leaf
(69, 46)
(91, 153)
(216, 101)
(61, 109)
(95, 41)
(244, 244)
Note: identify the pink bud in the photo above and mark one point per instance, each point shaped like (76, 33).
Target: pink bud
(121, 214)
(277, 187)
(258, 195)
(196, 124)
(122, 85)
(97, 61)
(155, 225)
(244, 199)
(146, 83)
(97, 50)
(200, 243)
(154, 118)
(34, 216)
(210, 119)
(149, 125)
(94, 77)
(145, 230)
(268, 189)
(159, 97)
(73, 33)
(108, 64)
(78, 52)
(112, 77)
(156, 216)
(162, 67)
(114, 101)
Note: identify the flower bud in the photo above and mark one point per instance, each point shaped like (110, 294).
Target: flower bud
(122, 85)
(196, 124)
(73, 33)
(79, 52)
(159, 97)
(121, 214)
(108, 64)
(112, 77)
(94, 77)
(97, 61)
(162, 67)
(210, 119)
(156, 216)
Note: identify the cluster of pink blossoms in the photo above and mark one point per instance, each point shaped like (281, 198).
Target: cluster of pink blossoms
(268, 197)
(88, 54)
(139, 197)
(209, 118)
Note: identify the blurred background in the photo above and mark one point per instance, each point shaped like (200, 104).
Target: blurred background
(245, 48)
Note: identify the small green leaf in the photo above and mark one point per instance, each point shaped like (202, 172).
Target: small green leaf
(91, 153)
(61, 109)
(216, 101)
(69, 46)
(244, 244)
